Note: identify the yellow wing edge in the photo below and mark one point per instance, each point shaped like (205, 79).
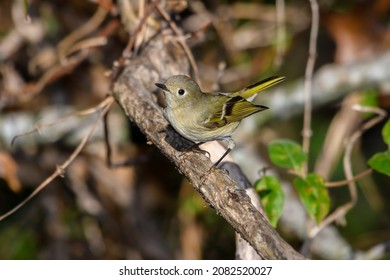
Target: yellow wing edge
(259, 86)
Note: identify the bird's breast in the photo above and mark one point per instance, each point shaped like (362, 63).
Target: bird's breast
(189, 125)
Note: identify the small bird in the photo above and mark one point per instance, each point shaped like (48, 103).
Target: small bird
(206, 116)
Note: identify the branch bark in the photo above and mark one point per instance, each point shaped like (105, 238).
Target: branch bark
(161, 58)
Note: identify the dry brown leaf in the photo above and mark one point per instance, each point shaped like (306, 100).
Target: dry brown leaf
(8, 171)
(357, 33)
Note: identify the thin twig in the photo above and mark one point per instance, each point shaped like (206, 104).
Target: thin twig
(55, 72)
(280, 32)
(348, 150)
(346, 182)
(196, 33)
(87, 43)
(39, 127)
(142, 33)
(60, 70)
(182, 42)
(306, 132)
(337, 183)
(107, 139)
(61, 168)
(79, 33)
(336, 215)
(343, 210)
(127, 53)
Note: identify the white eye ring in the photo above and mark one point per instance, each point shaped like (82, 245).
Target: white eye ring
(181, 92)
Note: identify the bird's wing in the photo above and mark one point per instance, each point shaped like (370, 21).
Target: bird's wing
(257, 87)
(233, 110)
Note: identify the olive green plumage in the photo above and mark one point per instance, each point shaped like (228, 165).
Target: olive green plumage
(206, 116)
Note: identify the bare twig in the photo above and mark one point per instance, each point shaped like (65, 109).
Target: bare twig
(199, 31)
(79, 33)
(61, 168)
(348, 150)
(71, 62)
(342, 210)
(280, 32)
(343, 124)
(39, 127)
(86, 44)
(306, 132)
(346, 182)
(337, 183)
(130, 44)
(55, 72)
(182, 42)
(127, 52)
(59, 70)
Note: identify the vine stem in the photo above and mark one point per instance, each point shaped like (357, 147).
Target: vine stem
(102, 108)
(307, 132)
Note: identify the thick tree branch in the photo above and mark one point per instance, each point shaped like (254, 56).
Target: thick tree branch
(162, 58)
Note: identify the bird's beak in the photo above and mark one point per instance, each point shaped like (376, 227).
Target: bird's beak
(162, 86)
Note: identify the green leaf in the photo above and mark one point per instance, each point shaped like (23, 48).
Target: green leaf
(386, 132)
(369, 98)
(287, 154)
(314, 196)
(272, 197)
(381, 162)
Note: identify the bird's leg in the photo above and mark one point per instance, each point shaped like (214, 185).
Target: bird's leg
(222, 157)
(230, 147)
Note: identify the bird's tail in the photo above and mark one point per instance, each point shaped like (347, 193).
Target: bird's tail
(259, 86)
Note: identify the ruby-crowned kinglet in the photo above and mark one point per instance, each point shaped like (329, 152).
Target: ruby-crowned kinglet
(206, 116)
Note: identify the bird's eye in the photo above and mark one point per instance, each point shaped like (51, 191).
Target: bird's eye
(181, 91)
